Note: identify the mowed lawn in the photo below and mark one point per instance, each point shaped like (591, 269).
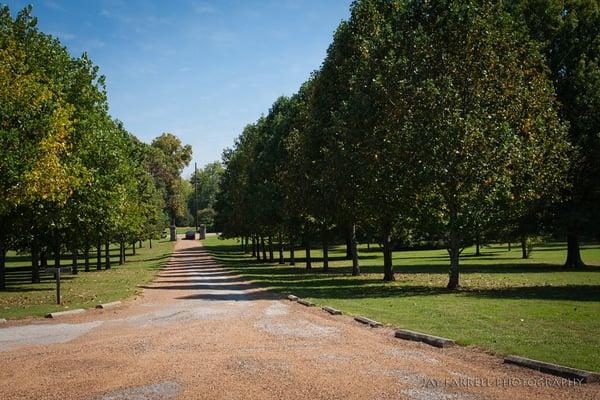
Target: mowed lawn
(86, 289)
(533, 308)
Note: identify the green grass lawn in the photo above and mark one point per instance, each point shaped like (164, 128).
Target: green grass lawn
(86, 289)
(533, 308)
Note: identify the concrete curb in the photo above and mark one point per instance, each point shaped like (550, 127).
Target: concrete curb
(305, 303)
(554, 369)
(65, 313)
(291, 297)
(107, 306)
(332, 310)
(425, 338)
(367, 321)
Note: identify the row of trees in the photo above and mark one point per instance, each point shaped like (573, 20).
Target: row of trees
(458, 120)
(73, 180)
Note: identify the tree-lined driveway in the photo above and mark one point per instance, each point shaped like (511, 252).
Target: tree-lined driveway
(201, 332)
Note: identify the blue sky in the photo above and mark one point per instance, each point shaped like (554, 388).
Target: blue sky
(199, 69)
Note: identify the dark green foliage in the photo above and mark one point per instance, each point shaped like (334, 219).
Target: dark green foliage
(569, 34)
(427, 121)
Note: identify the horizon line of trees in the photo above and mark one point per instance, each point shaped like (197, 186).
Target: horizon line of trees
(457, 120)
(199, 193)
(72, 179)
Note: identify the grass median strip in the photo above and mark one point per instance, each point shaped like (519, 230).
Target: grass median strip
(528, 307)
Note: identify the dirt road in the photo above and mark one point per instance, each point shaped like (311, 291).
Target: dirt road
(201, 332)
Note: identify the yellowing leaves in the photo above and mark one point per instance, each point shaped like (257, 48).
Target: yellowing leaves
(36, 125)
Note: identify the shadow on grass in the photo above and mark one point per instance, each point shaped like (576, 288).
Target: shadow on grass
(18, 279)
(503, 266)
(339, 283)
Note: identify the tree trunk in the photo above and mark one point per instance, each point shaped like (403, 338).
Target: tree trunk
(150, 242)
(141, 244)
(325, 251)
(107, 255)
(509, 246)
(57, 257)
(257, 248)
(281, 257)
(86, 258)
(454, 251)
(264, 248)
(349, 245)
(292, 253)
(477, 247)
(573, 254)
(524, 247)
(98, 256)
(253, 246)
(121, 253)
(43, 259)
(354, 251)
(133, 248)
(2, 267)
(308, 259)
(388, 267)
(270, 249)
(172, 228)
(35, 265)
(74, 266)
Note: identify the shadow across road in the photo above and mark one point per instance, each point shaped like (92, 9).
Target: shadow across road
(193, 269)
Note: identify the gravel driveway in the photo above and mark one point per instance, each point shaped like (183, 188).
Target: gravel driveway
(201, 332)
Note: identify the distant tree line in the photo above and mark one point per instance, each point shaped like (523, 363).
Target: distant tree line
(197, 196)
(202, 193)
(457, 121)
(72, 179)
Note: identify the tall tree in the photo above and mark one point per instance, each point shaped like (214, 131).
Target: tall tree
(166, 163)
(235, 209)
(334, 133)
(481, 108)
(36, 120)
(380, 140)
(569, 32)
